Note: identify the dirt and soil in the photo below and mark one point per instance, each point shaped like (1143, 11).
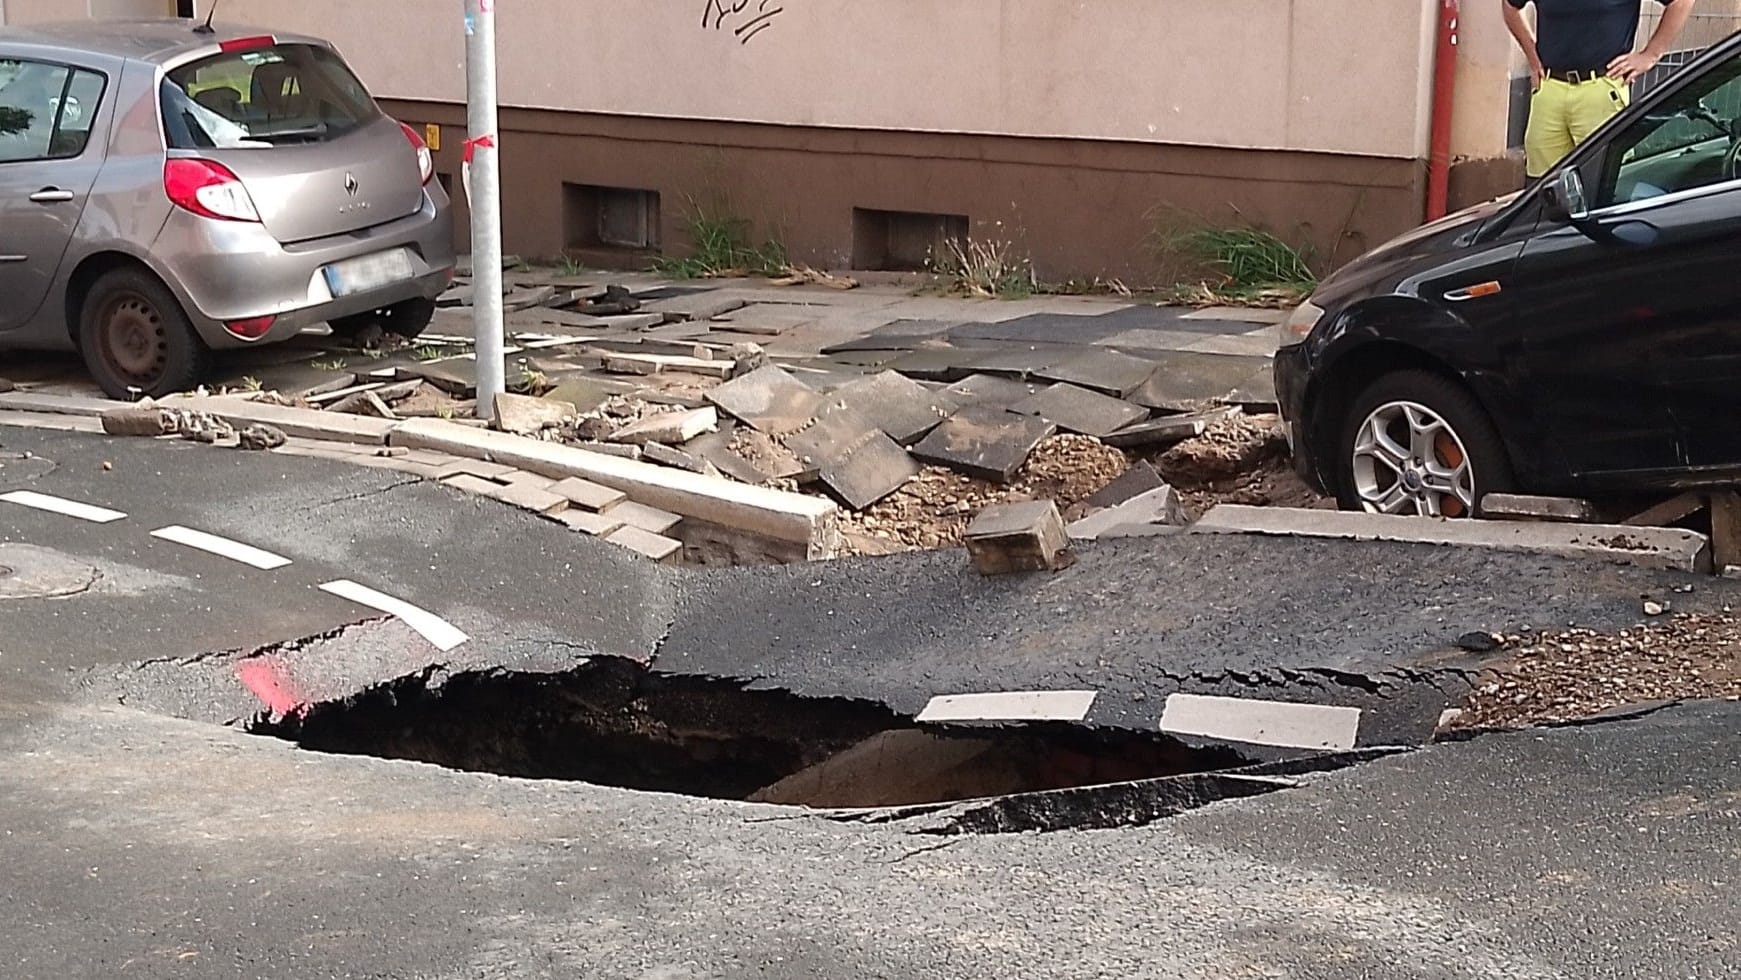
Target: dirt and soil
(1242, 459)
(1565, 675)
(934, 508)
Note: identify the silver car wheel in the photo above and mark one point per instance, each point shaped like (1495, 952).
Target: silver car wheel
(1408, 460)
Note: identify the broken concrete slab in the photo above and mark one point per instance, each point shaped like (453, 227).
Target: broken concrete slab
(306, 423)
(456, 377)
(984, 442)
(1675, 508)
(33, 401)
(1022, 537)
(1139, 479)
(715, 448)
(140, 421)
(1257, 393)
(654, 546)
(809, 522)
(1158, 506)
(668, 427)
(827, 435)
(867, 469)
(1103, 370)
(697, 306)
(1186, 381)
(1257, 721)
(943, 364)
(1165, 431)
(584, 394)
(1646, 547)
(585, 493)
(991, 391)
(524, 415)
(1079, 410)
(529, 497)
(768, 399)
(1524, 507)
(896, 404)
(658, 452)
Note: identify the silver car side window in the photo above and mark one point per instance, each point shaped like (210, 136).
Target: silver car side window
(30, 98)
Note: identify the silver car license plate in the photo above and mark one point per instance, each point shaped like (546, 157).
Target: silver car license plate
(366, 272)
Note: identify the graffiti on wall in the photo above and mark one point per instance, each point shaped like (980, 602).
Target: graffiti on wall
(743, 18)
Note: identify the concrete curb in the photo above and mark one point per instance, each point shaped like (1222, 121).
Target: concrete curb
(1647, 547)
(792, 517)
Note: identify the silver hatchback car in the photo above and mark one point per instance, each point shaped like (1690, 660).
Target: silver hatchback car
(168, 190)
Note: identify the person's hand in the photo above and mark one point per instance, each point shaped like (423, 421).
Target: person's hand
(1536, 74)
(1628, 67)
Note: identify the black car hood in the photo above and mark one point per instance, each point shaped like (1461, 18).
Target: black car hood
(1396, 258)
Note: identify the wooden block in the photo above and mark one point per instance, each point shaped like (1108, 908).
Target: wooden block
(1024, 537)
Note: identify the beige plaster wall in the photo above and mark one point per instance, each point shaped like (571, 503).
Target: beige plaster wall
(1343, 76)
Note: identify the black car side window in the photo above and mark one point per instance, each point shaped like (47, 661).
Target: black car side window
(1692, 139)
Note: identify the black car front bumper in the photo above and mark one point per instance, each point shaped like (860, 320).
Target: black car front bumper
(1292, 368)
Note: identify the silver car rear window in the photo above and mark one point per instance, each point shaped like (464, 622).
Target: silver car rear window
(270, 95)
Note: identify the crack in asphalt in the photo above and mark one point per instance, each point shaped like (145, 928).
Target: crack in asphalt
(361, 494)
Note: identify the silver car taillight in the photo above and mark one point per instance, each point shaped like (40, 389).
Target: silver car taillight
(425, 162)
(208, 189)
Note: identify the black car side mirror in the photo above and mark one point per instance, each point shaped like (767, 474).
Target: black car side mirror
(1563, 197)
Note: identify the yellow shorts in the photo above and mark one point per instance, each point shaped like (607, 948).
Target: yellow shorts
(1562, 115)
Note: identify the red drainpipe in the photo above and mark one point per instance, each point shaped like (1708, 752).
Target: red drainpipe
(1444, 94)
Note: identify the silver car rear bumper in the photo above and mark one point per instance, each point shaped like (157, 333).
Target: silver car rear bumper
(226, 271)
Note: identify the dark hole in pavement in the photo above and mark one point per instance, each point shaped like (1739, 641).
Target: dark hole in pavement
(613, 722)
(6, 570)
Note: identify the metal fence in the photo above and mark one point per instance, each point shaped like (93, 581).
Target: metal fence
(1704, 29)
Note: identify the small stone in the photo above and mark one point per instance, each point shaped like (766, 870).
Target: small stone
(1653, 608)
(746, 357)
(1478, 642)
(107, 466)
(261, 437)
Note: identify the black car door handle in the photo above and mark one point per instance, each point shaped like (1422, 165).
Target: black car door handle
(52, 195)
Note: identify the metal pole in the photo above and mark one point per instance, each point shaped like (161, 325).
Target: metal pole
(486, 201)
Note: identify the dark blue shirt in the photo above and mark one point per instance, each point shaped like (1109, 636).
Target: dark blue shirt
(1584, 35)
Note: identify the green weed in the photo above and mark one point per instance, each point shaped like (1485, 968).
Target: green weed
(988, 269)
(1244, 264)
(721, 247)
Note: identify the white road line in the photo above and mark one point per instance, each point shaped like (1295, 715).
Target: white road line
(222, 547)
(436, 630)
(1259, 722)
(1010, 706)
(60, 505)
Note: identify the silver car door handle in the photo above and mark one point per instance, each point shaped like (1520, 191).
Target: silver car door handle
(52, 195)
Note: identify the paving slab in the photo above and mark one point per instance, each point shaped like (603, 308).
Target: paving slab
(1258, 344)
(588, 522)
(1165, 431)
(1157, 506)
(867, 469)
(1257, 393)
(1259, 721)
(640, 515)
(654, 546)
(1079, 410)
(991, 391)
(1139, 479)
(769, 399)
(985, 442)
(585, 493)
(1169, 318)
(938, 364)
(1237, 314)
(1185, 381)
(1024, 361)
(896, 404)
(668, 427)
(828, 435)
(1051, 328)
(1647, 547)
(1103, 370)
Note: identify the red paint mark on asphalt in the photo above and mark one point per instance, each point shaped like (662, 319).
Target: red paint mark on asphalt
(265, 679)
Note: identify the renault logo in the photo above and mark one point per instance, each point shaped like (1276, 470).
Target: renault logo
(351, 185)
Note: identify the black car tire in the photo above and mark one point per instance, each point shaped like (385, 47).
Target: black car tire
(407, 319)
(136, 338)
(1486, 456)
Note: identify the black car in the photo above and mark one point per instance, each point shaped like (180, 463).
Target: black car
(1582, 337)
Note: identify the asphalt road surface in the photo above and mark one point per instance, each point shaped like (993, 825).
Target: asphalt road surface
(138, 836)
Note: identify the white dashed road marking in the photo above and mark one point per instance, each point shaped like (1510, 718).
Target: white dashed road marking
(60, 505)
(1259, 722)
(222, 547)
(1010, 706)
(436, 630)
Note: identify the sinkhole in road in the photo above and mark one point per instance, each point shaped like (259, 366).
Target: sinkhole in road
(616, 723)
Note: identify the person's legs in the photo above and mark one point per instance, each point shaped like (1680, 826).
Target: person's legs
(1548, 137)
(1593, 104)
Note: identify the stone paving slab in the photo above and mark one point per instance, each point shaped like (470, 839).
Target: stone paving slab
(898, 405)
(1049, 328)
(1184, 381)
(769, 399)
(834, 429)
(1103, 370)
(867, 469)
(1080, 410)
(985, 442)
(991, 391)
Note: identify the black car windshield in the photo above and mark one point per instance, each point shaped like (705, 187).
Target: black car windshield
(264, 96)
